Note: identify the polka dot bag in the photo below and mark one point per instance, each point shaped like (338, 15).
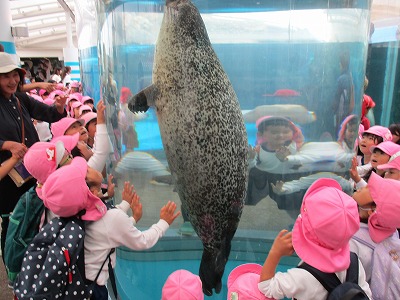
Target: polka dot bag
(53, 266)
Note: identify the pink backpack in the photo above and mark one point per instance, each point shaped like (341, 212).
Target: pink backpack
(385, 278)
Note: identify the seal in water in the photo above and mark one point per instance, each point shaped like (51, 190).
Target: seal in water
(203, 133)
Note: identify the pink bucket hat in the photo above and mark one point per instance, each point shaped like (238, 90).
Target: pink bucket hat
(87, 98)
(244, 280)
(89, 117)
(385, 219)
(60, 127)
(76, 96)
(316, 238)
(381, 131)
(74, 84)
(182, 285)
(83, 108)
(64, 201)
(43, 158)
(74, 105)
(394, 163)
(388, 147)
(55, 93)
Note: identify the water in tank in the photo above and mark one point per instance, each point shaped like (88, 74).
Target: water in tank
(297, 69)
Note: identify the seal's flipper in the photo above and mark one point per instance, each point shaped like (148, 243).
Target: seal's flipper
(143, 100)
(212, 268)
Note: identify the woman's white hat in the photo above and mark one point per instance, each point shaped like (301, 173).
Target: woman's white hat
(7, 64)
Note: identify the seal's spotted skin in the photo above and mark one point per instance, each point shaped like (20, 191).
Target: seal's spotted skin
(203, 133)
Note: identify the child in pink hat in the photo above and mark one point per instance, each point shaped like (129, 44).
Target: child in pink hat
(43, 158)
(328, 219)
(109, 228)
(381, 154)
(87, 100)
(369, 138)
(84, 109)
(392, 168)
(379, 209)
(182, 285)
(243, 283)
(91, 126)
(348, 133)
(277, 137)
(74, 112)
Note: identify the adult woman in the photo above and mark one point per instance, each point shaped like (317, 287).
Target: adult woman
(16, 111)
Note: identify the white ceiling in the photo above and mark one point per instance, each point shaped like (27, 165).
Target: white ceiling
(46, 21)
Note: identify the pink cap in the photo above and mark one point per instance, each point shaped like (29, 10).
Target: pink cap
(343, 126)
(33, 91)
(394, 163)
(75, 104)
(74, 84)
(83, 108)
(87, 98)
(43, 158)
(60, 86)
(381, 131)
(55, 93)
(316, 238)
(76, 96)
(49, 101)
(388, 147)
(64, 201)
(89, 117)
(182, 285)
(244, 280)
(42, 92)
(385, 219)
(59, 128)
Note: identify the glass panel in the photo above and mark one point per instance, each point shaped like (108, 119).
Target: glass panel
(297, 68)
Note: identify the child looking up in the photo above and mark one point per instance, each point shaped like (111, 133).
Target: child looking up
(381, 154)
(392, 168)
(109, 228)
(379, 209)
(317, 241)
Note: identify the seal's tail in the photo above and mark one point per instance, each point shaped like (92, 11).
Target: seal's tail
(212, 268)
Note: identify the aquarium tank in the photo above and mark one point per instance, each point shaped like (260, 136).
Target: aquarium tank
(293, 64)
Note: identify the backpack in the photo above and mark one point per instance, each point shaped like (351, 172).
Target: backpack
(23, 226)
(385, 275)
(53, 266)
(336, 289)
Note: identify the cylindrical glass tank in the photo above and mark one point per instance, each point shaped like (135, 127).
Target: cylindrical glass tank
(300, 62)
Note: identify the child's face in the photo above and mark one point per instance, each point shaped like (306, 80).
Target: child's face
(276, 136)
(92, 128)
(364, 201)
(93, 179)
(379, 157)
(77, 127)
(366, 143)
(392, 174)
(350, 134)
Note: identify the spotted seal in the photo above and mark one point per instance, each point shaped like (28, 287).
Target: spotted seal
(203, 133)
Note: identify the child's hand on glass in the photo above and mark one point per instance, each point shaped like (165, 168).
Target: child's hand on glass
(282, 153)
(277, 188)
(111, 186)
